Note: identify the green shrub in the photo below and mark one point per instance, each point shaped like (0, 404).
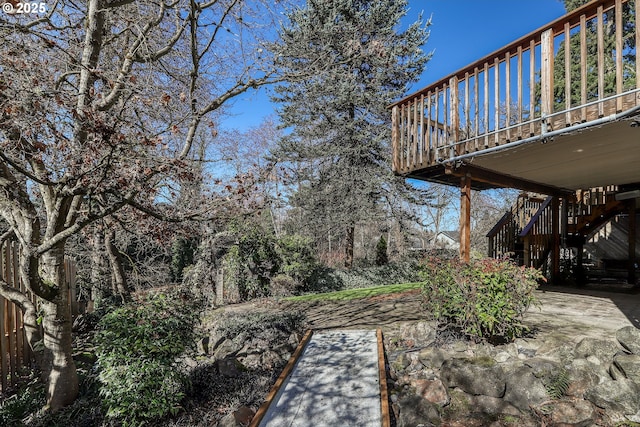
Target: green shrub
(137, 346)
(14, 409)
(485, 299)
(381, 252)
(297, 258)
(252, 261)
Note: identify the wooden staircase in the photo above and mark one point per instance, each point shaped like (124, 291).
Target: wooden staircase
(525, 232)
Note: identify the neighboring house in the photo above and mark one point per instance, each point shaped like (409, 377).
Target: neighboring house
(448, 240)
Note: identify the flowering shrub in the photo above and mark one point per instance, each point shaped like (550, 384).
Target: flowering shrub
(485, 299)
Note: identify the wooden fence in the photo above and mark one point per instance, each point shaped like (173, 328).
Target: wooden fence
(14, 348)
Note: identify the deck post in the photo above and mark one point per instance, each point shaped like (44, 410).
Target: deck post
(465, 218)
(631, 278)
(395, 134)
(555, 239)
(454, 113)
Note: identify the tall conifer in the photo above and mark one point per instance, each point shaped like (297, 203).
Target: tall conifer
(354, 61)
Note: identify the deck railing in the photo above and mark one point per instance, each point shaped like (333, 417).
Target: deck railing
(503, 238)
(527, 89)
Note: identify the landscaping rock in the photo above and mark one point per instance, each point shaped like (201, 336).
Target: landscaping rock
(492, 405)
(582, 377)
(474, 376)
(602, 349)
(243, 415)
(628, 365)
(432, 357)
(629, 338)
(431, 390)
(417, 411)
(555, 347)
(621, 396)
(523, 389)
(418, 334)
(239, 418)
(571, 413)
(229, 367)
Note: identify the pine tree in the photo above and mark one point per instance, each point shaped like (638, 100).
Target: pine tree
(354, 62)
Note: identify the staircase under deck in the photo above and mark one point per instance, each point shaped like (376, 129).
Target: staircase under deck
(531, 117)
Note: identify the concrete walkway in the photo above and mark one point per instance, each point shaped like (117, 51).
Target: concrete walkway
(334, 383)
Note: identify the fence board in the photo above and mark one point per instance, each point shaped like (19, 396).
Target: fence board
(14, 347)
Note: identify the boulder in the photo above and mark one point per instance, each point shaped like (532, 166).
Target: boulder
(431, 390)
(492, 406)
(571, 413)
(523, 389)
(621, 396)
(230, 367)
(239, 418)
(432, 357)
(582, 376)
(418, 334)
(417, 411)
(629, 338)
(602, 349)
(474, 376)
(628, 365)
(555, 347)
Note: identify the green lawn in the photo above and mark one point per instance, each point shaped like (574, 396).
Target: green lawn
(350, 294)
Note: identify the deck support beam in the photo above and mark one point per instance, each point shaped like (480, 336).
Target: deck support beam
(465, 218)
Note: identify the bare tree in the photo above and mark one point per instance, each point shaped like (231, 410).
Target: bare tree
(100, 104)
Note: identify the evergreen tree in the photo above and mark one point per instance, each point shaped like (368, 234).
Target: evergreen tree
(354, 62)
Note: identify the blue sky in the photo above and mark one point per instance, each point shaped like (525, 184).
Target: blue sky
(462, 31)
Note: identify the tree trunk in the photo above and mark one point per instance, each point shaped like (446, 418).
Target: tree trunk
(59, 367)
(97, 276)
(348, 247)
(118, 278)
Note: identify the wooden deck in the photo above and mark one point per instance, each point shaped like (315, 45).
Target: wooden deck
(531, 116)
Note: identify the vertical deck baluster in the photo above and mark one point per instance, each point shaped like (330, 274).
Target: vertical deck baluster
(583, 66)
(476, 112)
(394, 138)
(496, 101)
(428, 134)
(409, 135)
(437, 124)
(600, 35)
(486, 104)
(507, 85)
(467, 120)
(421, 133)
(519, 89)
(567, 72)
(532, 86)
(619, 54)
(454, 113)
(415, 140)
(402, 135)
(445, 114)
